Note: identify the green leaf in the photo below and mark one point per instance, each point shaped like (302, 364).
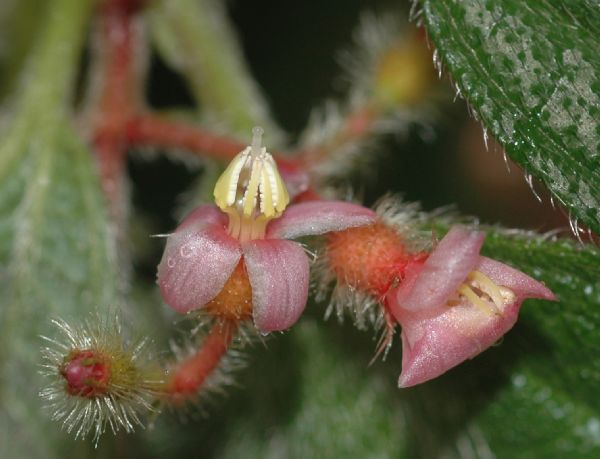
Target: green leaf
(60, 263)
(338, 408)
(531, 71)
(56, 253)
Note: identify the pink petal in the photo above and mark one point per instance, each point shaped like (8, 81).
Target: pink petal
(197, 261)
(436, 340)
(446, 268)
(433, 345)
(318, 217)
(203, 216)
(520, 283)
(278, 272)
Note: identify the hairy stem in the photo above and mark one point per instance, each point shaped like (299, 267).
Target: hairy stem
(196, 38)
(156, 131)
(116, 97)
(357, 125)
(189, 376)
(150, 130)
(50, 80)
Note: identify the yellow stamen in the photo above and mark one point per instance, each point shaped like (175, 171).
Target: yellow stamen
(251, 191)
(487, 285)
(266, 205)
(471, 296)
(484, 293)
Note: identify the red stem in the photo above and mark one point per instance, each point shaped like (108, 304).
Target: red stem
(189, 376)
(153, 130)
(116, 100)
(146, 129)
(119, 123)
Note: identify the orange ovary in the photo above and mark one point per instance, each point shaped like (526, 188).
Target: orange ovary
(234, 301)
(368, 258)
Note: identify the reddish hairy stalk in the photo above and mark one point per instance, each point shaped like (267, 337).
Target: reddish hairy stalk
(117, 96)
(357, 125)
(147, 129)
(153, 130)
(188, 377)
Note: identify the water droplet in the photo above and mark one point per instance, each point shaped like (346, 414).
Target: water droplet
(171, 262)
(542, 395)
(558, 412)
(187, 250)
(519, 380)
(593, 426)
(585, 374)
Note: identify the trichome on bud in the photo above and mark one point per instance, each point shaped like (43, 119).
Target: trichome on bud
(98, 379)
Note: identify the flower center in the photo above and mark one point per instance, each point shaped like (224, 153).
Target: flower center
(86, 373)
(234, 301)
(484, 293)
(251, 191)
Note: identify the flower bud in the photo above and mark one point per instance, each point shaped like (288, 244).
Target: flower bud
(96, 378)
(87, 373)
(404, 74)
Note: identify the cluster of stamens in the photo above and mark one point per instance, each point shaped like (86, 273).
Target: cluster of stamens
(483, 293)
(251, 191)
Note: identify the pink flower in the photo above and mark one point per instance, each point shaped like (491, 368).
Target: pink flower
(250, 222)
(200, 256)
(455, 305)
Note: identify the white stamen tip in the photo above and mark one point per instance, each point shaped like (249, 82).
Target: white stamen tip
(251, 189)
(257, 133)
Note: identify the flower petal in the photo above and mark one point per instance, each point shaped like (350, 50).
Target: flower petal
(318, 217)
(197, 261)
(520, 283)
(446, 340)
(434, 341)
(203, 216)
(446, 268)
(278, 272)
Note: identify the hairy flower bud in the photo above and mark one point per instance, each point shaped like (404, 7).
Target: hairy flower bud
(98, 379)
(87, 373)
(366, 262)
(404, 74)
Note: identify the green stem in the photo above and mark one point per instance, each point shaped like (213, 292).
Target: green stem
(45, 90)
(52, 70)
(195, 37)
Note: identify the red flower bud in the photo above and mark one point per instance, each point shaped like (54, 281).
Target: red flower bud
(87, 373)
